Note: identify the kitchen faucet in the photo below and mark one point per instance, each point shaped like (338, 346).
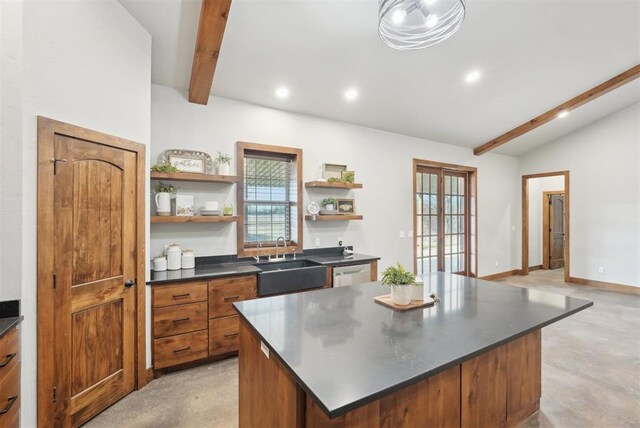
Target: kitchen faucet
(284, 243)
(257, 256)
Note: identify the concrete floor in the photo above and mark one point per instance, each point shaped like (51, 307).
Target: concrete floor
(590, 373)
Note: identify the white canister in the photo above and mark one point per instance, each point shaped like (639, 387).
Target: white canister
(418, 291)
(188, 259)
(163, 204)
(160, 264)
(174, 255)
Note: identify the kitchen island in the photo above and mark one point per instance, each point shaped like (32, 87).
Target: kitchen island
(334, 357)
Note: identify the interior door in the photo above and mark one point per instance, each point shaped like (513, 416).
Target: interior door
(556, 231)
(95, 253)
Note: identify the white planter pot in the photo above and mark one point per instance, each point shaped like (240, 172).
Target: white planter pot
(328, 207)
(401, 294)
(163, 203)
(223, 169)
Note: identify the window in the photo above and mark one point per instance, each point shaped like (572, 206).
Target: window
(268, 194)
(444, 215)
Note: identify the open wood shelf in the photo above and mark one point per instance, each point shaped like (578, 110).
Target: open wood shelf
(194, 219)
(333, 217)
(328, 185)
(194, 177)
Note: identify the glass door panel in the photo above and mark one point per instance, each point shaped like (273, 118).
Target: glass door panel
(427, 222)
(455, 231)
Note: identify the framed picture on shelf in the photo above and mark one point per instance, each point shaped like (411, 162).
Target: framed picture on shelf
(187, 160)
(346, 206)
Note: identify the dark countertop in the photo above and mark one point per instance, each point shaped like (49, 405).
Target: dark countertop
(9, 316)
(6, 324)
(341, 260)
(209, 270)
(345, 350)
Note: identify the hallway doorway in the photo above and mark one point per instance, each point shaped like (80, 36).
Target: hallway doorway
(546, 222)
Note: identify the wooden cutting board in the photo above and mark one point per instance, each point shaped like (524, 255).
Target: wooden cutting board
(414, 304)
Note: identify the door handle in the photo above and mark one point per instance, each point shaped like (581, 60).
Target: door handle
(129, 283)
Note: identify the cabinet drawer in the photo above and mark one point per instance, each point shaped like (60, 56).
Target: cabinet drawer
(224, 292)
(179, 349)
(179, 294)
(9, 356)
(223, 335)
(178, 319)
(10, 397)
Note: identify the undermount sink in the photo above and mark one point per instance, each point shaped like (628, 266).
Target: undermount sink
(290, 276)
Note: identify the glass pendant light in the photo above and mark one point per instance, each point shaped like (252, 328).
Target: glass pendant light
(417, 24)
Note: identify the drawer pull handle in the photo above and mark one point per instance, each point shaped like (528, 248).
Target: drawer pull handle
(8, 360)
(181, 296)
(226, 299)
(11, 400)
(230, 335)
(181, 320)
(175, 351)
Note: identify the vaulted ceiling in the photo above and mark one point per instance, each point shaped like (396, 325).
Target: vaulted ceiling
(532, 56)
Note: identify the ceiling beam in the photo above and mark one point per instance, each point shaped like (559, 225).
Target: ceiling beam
(213, 20)
(590, 95)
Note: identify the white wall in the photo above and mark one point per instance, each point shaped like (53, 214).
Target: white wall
(84, 62)
(536, 187)
(382, 161)
(604, 163)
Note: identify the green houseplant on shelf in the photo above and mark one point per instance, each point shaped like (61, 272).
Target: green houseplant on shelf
(401, 282)
(329, 204)
(223, 161)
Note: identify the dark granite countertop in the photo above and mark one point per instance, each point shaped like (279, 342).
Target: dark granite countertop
(9, 316)
(214, 267)
(345, 350)
(341, 260)
(6, 324)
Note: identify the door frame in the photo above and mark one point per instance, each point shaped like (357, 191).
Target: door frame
(545, 226)
(524, 269)
(47, 129)
(472, 209)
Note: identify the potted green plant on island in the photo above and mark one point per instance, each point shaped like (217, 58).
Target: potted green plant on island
(401, 282)
(223, 161)
(163, 198)
(329, 204)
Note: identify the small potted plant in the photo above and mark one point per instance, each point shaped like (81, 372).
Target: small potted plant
(163, 198)
(164, 167)
(223, 161)
(401, 282)
(329, 204)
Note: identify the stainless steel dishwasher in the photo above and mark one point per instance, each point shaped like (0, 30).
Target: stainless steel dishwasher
(351, 275)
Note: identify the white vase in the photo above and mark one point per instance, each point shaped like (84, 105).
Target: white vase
(328, 207)
(223, 169)
(401, 293)
(163, 203)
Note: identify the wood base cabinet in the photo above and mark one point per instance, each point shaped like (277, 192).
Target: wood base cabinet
(194, 322)
(10, 379)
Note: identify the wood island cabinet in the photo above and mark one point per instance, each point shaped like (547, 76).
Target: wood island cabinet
(195, 322)
(10, 379)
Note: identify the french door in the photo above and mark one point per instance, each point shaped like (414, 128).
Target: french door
(442, 220)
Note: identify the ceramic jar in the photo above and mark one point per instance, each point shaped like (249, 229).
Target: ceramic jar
(188, 259)
(160, 264)
(163, 204)
(174, 257)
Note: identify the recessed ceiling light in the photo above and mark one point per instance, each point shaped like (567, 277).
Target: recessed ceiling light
(351, 94)
(431, 21)
(398, 16)
(429, 2)
(473, 76)
(282, 92)
(563, 113)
